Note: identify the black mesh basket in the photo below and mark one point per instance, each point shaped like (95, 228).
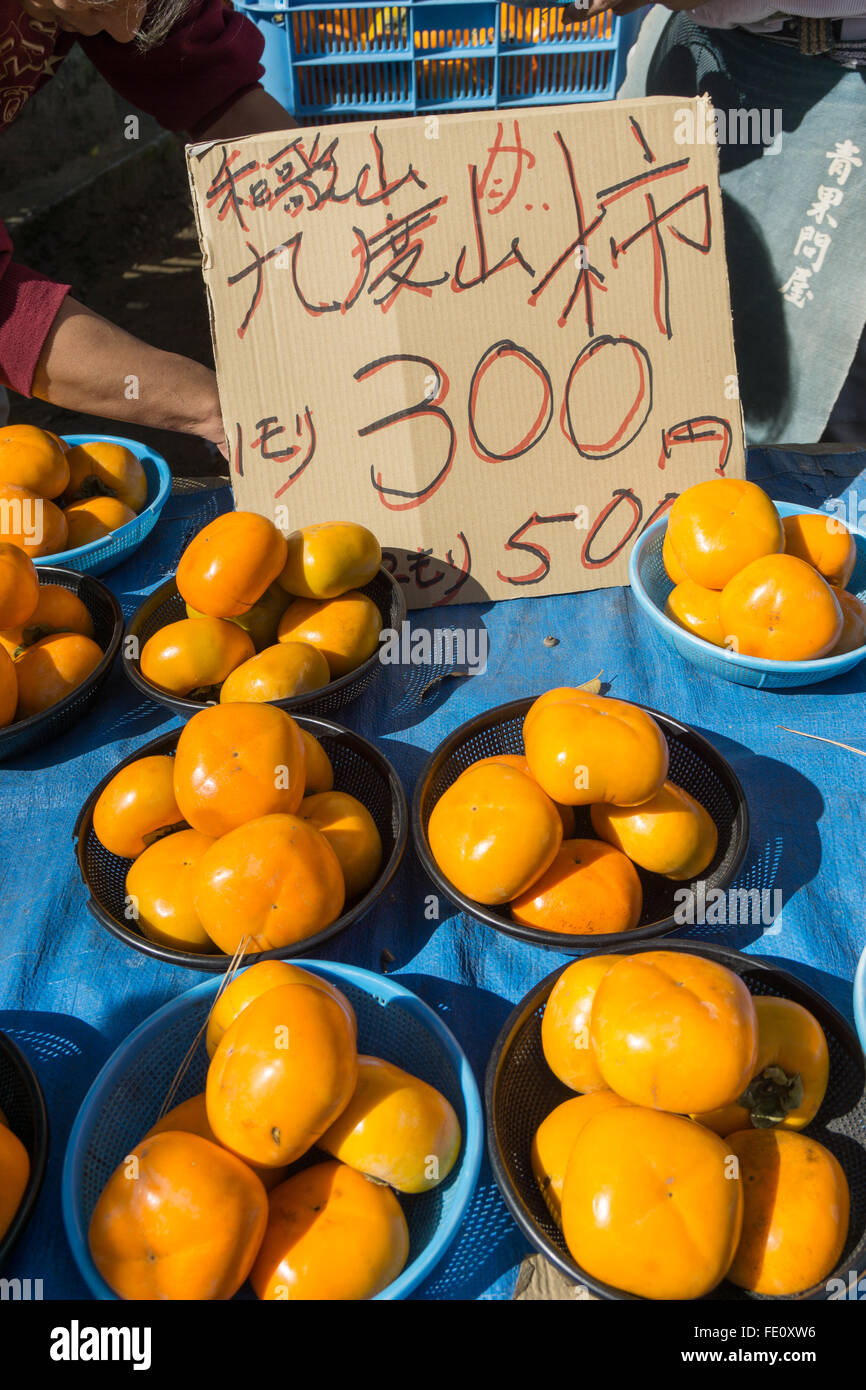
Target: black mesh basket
(165, 605)
(107, 630)
(694, 765)
(24, 1107)
(520, 1090)
(359, 768)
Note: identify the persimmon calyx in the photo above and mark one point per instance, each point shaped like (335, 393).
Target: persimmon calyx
(91, 486)
(771, 1096)
(153, 835)
(31, 635)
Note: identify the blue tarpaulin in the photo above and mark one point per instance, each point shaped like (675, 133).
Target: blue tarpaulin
(70, 992)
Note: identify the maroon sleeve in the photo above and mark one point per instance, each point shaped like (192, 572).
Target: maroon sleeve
(28, 306)
(210, 58)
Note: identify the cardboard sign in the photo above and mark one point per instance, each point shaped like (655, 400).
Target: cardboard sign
(503, 342)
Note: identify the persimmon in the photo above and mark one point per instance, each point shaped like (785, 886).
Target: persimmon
(327, 560)
(781, 609)
(281, 1074)
(137, 806)
(352, 834)
(396, 1129)
(179, 1218)
(791, 1072)
(853, 634)
(566, 1036)
(190, 1117)
(14, 1176)
(674, 1031)
(256, 980)
(235, 763)
(52, 668)
(19, 586)
(696, 609)
(493, 832)
(591, 748)
(318, 771)
(280, 672)
(262, 620)
(345, 629)
(718, 527)
(32, 458)
(518, 760)
(57, 610)
(226, 569)
(95, 519)
(555, 1138)
(30, 522)
(102, 469)
(823, 542)
(161, 890)
(671, 834)
(650, 1204)
(559, 695)
(673, 568)
(331, 1234)
(8, 689)
(194, 655)
(589, 888)
(796, 1215)
(271, 882)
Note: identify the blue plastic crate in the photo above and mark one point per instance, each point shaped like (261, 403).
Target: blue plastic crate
(368, 60)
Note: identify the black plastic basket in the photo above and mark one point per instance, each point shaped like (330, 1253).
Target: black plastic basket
(165, 605)
(694, 765)
(23, 1105)
(359, 768)
(107, 629)
(520, 1090)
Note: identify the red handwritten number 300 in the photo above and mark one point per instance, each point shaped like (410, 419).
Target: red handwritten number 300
(622, 432)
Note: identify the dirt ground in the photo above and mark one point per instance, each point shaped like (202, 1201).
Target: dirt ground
(136, 260)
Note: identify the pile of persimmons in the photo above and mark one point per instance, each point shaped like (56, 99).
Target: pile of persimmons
(188, 1215)
(47, 646)
(239, 840)
(14, 1174)
(503, 832)
(757, 583)
(268, 618)
(682, 1161)
(57, 498)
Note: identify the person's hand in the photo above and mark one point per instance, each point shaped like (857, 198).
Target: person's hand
(575, 14)
(213, 430)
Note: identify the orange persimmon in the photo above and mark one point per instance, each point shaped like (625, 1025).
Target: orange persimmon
(235, 763)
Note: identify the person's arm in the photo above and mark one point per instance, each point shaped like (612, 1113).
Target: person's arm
(203, 78)
(91, 366)
(254, 113)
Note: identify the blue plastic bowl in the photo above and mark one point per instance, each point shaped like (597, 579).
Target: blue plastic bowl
(651, 586)
(102, 555)
(125, 1099)
(860, 999)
